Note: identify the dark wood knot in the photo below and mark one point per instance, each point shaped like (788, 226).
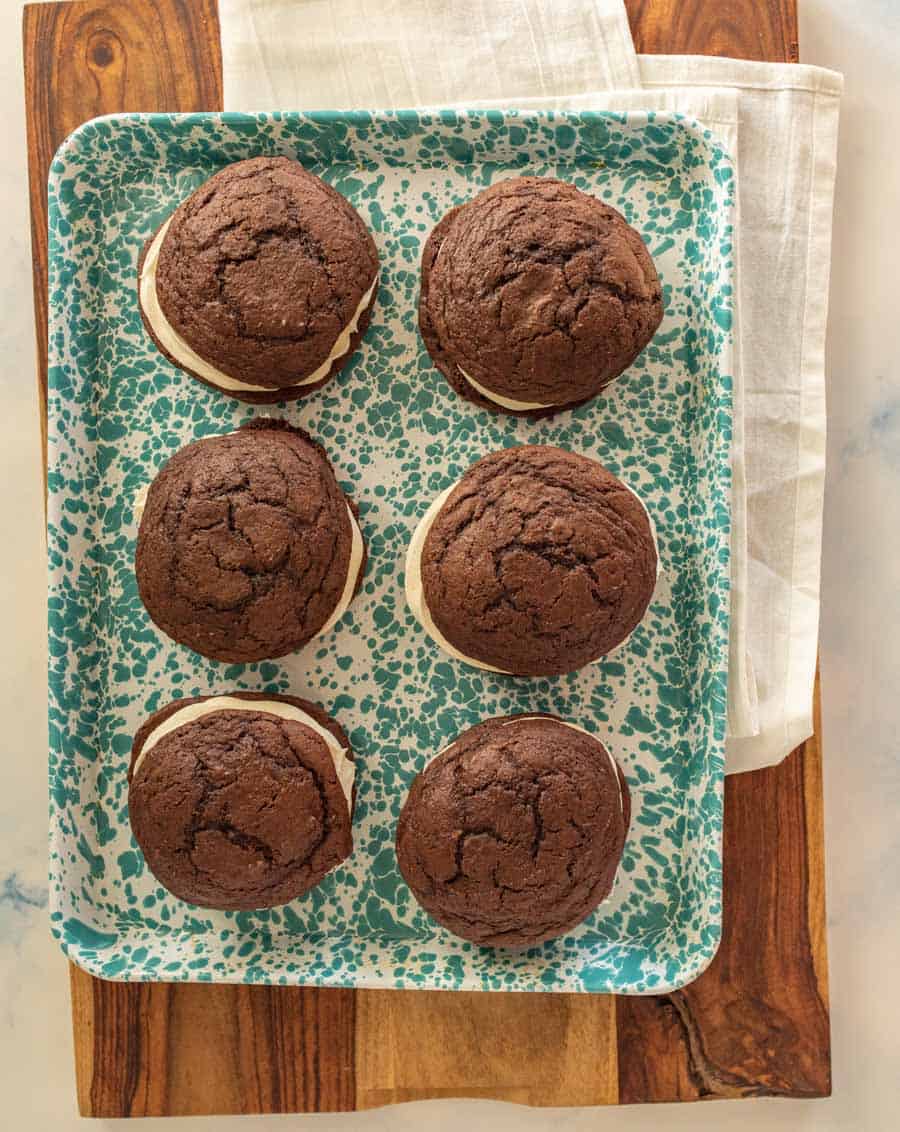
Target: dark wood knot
(102, 49)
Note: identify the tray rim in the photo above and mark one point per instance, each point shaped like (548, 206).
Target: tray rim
(84, 956)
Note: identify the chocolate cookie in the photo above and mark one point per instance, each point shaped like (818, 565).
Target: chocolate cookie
(242, 801)
(247, 547)
(536, 563)
(535, 296)
(261, 283)
(513, 834)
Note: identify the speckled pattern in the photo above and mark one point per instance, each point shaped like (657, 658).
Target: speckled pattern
(397, 436)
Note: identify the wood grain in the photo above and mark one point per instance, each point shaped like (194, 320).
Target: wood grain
(535, 1049)
(755, 1023)
(186, 1050)
(84, 59)
(741, 29)
(814, 800)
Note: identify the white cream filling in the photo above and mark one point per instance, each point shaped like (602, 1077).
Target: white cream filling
(174, 344)
(357, 550)
(343, 766)
(140, 502)
(415, 595)
(415, 592)
(505, 402)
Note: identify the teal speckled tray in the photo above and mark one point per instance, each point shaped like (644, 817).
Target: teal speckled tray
(397, 436)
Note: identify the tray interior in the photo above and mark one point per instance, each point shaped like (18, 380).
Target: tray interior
(397, 435)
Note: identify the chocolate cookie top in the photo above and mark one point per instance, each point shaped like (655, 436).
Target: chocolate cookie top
(261, 270)
(247, 547)
(513, 834)
(239, 808)
(538, 562)
(537, 291)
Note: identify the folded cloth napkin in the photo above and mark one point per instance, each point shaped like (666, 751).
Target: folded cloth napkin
(382, 54)
(786, 158)
(780, 123)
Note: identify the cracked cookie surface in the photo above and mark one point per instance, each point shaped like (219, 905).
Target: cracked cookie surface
(245, 543)
(239, 809)
(538, 291)
(261, 269)
(513, 834)
(539, 562)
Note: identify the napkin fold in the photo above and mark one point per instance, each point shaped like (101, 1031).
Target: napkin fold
(779, 121)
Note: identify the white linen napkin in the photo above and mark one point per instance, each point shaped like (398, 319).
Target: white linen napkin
(787, 155)
(780, 123)
(382, 54)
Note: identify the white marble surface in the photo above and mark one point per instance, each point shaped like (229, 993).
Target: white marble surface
(860, 649)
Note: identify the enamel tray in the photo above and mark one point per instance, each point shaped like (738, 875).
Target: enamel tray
(397, 436)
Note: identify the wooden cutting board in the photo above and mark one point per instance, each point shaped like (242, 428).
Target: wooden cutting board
(754, 1024)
